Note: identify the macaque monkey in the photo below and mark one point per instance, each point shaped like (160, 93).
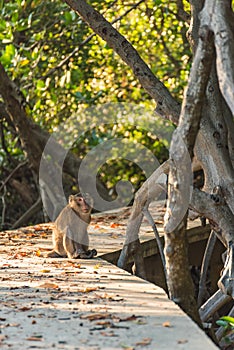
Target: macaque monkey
(70, 236)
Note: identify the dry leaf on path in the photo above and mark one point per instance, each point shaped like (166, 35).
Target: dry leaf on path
(45, 271)
(33, 338)
(144, 341)
(114, 225)
(96, 316)
(97, 266)
(182, 341)
(2, 337)
(109, 334)
(125, 319)
(167, 324)
(104, 323)
(24, 308)
(89, 289)
(96, 226)
(38, 253)
(48, 285)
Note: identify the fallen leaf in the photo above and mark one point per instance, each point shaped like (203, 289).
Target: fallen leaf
(5, 278)
(104, 323)
(97, 266)
(128, 318)
(114, 235)
(145, 341)
(13, 324)
(48, 285)
(24, 308)
(114, 225)
(38, 253)
(45, 271)
(77, 266)
(182, 341)
(89, 289)
(74, 272)
(109, 334)
(2, 337)
(24, 253)
(35, 338)
(94, 317)
(38, 228)
(166, 324)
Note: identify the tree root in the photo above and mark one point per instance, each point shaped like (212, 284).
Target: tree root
(202, 294)
(213, 304)
(149, 191)
(226, 282)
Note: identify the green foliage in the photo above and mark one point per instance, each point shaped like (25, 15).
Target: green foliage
(61, 67)
(227, 322)
(119, 165)
(44, 46)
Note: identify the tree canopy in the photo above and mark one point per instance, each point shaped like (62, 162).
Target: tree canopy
(62, 67)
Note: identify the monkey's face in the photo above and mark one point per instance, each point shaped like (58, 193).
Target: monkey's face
(81, 203)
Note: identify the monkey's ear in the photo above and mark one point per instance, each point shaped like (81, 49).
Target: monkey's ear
(71, 198)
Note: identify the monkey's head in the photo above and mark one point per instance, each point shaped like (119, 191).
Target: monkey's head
(81, 202)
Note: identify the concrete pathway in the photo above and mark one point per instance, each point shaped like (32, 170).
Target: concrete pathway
(90, 305)
(85, 304)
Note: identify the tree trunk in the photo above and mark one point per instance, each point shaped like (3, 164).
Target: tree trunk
(34, 140)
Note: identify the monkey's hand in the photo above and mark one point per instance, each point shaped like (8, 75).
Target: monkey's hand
(89, 254)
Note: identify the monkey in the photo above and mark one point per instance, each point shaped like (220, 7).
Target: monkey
(70, 236)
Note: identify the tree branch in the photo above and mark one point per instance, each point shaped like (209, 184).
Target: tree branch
(84, 42)
(219, 16)
(219, 214)
(166, 104)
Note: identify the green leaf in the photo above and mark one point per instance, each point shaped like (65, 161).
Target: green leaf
(228, 319)
(222, 323)
(40, 84)
(8, 54)
(68, 17)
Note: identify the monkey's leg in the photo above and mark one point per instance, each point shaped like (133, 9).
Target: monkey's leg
(76, 250)
(58, 250)
(70, 248)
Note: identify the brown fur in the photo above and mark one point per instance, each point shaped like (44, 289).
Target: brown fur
(70, 236)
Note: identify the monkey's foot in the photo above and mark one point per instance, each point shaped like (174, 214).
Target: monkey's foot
(89, 254)
(53, 254)
(226, 282)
